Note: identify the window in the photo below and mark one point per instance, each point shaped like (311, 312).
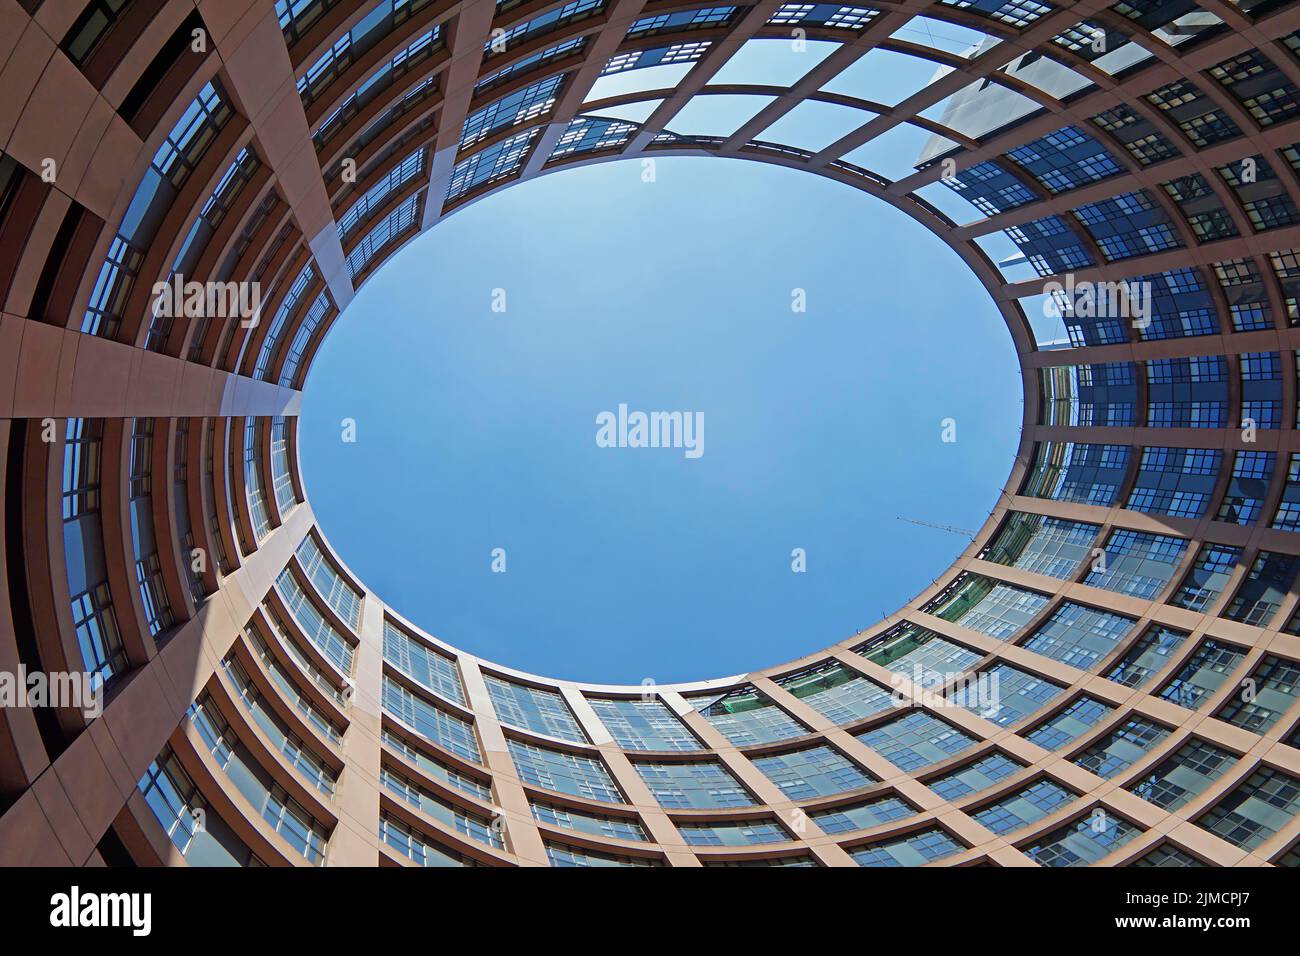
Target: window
(1079, 636)
(988, 606)
(732, 833)
(1180, 778)
(862, 816)
(838, 693)
(103, 654)
(1266, 586)
(297, 754)
(329, 583)
(916, 849)
(1085, 841)
(336, 648)
(1137, 563)
(430, 721)
(1207, 578)
(564, 772)
(916, 740)
(416, 845)
(1255, 810)
(1265, 696)
(1166, 854)
(423, 663)
(532, 708)
(617, 828)
(814, 772)
(472, 824)
(975, 776)
(1003, 694)
(1022, 807)
(745, 716)
(1149, 655)
(698, 785)
(1051, 546)
(1204, 673)
(178, 807)
(1074, 721)
(926, 658)
(643, 725)
(432, 767)
(1122, 747)
(278, 810)
(563, 855)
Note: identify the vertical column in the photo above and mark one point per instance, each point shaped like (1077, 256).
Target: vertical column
(521, 830)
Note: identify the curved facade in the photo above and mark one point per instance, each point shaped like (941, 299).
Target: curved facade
(1107, 675)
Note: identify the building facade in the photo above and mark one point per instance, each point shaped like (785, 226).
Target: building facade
(1106, 676)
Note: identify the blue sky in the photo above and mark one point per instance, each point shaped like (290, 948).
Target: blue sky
(476, 429)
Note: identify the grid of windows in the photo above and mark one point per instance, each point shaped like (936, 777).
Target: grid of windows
(1022, 807)
(1079, 636)
(925, 657)
(423, 663)
(991, 607)
(838, 693)
(1180, 778)
(732, 833)
(333, 588)
(974, 777)
(916, 740)
(617, 828)
(532, 708)
(916, 849)
(1086, 840)
(862, 816)
(1255, 809)
(564, 772)
(694, 785)
(643, 724)
(813, 772)
(1122, 747)
(745, 716)
(431, 721)
(1244, 585)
